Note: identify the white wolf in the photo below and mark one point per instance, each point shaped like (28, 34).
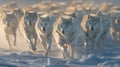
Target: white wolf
(67, 34)
(44, 28)
(115, 28)
(27, 28)
(11, 23)
(94, 28)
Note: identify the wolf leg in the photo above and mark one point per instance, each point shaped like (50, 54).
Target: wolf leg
(64, 56)
(32, 46)
(66, 53)
(100, 43)
(93, 47)
(118, 34)
(8, 39)
(49, 46)
(73, 50)
(112, 33)
(44, 44)
(70, 50)
(14, 35)
(35, 42)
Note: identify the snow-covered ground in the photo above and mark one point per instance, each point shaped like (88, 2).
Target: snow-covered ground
(108, 57)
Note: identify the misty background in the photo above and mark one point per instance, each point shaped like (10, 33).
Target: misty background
(22, 3)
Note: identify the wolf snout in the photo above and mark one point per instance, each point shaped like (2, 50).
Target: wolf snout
(30, 23)
(91, 28)
(43, 29)
(63, 31)
(117, 21)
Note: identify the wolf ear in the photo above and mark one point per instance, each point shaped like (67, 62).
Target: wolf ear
(62, 17)
(99, 13)
(71, 19)
(35, 12)
(74, 14)
(48, 18)
(26, 12)
(89, 16)
(75, 8)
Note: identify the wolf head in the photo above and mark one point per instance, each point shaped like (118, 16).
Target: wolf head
(116, 17)
(117, 21)
(91, 23)
(46, 22)
(66, 25)
(105, 18)
(18, 12)
(9, 17)
(30, 18)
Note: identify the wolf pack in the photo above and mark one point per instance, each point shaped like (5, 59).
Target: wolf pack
(61, 22)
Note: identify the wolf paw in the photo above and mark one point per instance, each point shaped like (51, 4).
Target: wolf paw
(46, 54)
(32, 48)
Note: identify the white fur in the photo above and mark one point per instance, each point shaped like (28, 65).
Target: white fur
(66, 31)
(94, 28)
(44, 29)
(115, 28)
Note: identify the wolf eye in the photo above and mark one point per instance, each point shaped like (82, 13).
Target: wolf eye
(41, 24)
(105, 21)
(95, 22)
(61, 26)
(45, 23)
(118, 21)
(90, 23)
(62, 39)
(33, 19)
